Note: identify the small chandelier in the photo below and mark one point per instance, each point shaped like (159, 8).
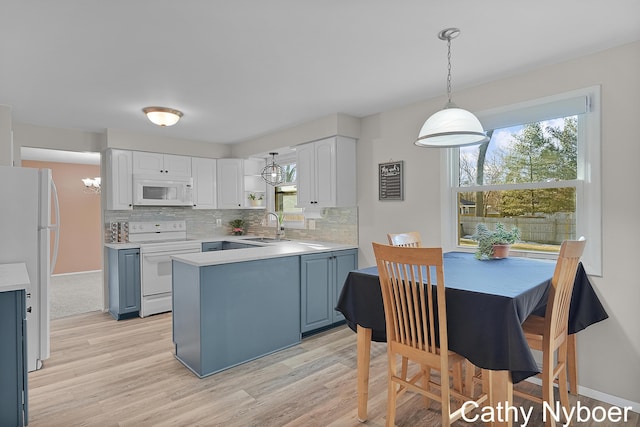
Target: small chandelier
(451, 126)
(162, 116)
(273, 173)
(92, 185)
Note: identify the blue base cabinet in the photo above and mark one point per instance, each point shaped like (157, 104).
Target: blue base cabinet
(228, 314)
(124, 283)
(322, 277)
(13, 359)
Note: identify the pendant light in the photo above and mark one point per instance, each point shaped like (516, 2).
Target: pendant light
(451, 126)
(273, 173)
(162, 116)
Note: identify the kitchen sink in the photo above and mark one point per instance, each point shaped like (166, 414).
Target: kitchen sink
(266, 239)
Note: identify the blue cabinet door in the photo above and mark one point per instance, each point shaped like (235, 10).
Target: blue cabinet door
(344, 261)
(315, 291)
(13, 363)
(124, 282)
(321, 281)
(129, 269)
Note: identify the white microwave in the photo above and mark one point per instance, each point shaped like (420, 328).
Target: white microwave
(162, 191)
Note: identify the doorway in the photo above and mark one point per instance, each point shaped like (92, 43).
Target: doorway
(76, 284)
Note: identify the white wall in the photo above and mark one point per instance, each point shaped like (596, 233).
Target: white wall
(27, 135)
(334, 124)
(6, 151)
(117, 138)
(609, 352)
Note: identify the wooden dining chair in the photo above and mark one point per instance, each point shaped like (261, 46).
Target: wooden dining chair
(550, 334)
(416, 326)
(412, 239)
(408, 239)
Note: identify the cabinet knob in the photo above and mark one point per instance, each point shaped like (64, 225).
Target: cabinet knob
(28, 309)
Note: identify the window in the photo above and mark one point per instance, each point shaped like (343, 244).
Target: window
(286, 198)
(539, 172)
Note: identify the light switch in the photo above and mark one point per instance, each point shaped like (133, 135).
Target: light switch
(218, 222)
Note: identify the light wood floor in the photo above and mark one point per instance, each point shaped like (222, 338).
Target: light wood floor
(108, 373)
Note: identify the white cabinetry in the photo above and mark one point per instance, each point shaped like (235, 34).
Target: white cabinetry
(119, 180)
(253, 183)
(167, 165)
(230, 177)
(204, 183)
(326, 173)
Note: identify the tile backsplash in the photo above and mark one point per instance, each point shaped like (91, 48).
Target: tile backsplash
(338, 225)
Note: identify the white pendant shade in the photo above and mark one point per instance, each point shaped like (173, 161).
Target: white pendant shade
(451, 127)
(162, 116)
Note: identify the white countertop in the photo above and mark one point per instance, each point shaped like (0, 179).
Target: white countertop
(266, 250)
(122, 245)
(14, 277)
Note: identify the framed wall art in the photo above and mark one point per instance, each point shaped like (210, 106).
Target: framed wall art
(390, 181)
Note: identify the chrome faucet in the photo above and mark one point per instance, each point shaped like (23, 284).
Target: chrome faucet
(279, 230)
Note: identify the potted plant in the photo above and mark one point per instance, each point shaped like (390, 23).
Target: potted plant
(237, 227)
(255, 199)
(494, 244)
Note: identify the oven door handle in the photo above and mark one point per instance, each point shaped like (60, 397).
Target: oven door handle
(167, 257)
(157, 258)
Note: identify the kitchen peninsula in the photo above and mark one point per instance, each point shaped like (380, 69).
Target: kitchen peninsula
(233, 306)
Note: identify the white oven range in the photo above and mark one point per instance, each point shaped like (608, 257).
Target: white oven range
(159, 240)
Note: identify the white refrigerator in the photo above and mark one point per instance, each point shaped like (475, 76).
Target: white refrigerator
(28, 202)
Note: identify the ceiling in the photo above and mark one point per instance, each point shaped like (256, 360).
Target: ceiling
(243, 68)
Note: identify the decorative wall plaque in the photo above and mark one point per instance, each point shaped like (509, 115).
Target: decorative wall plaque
(390, 182)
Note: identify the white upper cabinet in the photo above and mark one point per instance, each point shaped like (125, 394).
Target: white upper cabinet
(167, 165)
(326, 173)
(204, 183)
(119, 180)
(230, 177)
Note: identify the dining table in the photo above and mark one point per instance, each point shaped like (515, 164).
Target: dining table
(487, 301)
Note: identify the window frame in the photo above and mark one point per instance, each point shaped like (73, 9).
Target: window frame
(282, 161)
(587, 184)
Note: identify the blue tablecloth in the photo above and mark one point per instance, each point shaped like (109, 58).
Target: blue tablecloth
(487, 301)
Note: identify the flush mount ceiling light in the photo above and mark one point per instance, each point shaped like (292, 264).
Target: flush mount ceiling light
(273, 173)
(451, 126)
(162, 116)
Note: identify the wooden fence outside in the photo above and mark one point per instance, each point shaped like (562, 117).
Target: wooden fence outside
(549, 230)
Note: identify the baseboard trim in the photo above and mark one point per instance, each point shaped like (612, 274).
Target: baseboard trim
(598, 395)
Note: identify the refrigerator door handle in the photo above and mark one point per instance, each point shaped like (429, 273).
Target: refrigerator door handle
(55, 227)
